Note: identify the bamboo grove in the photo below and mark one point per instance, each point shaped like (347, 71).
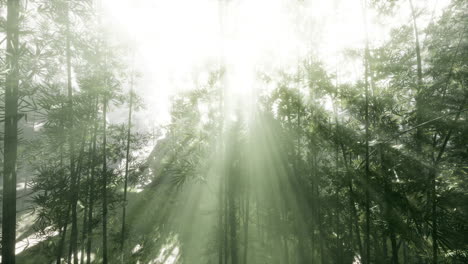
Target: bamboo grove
(305, 168)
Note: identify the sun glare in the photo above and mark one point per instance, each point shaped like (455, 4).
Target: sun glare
(174, 40)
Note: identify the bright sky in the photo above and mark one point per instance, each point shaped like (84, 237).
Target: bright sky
(178, 41)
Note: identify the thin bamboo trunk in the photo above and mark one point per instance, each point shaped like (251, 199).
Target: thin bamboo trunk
(62, 228)
(419, 120)
(367, 172)
(127, 156)
(319, 213)
(220, 222)
(10, 141)
(91, 188)
(86, 202)
(73, 189)
(351, 201)
(104, 184)
(74, 243)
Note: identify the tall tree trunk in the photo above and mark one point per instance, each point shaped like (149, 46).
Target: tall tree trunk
(86, 202)
(355, 217)
(71, 141)
(433, 176)
(417, 46)
(127, 156)
(91, 187)
(367, 172)
(319, 212)
(339, 244)
(387, 208)
(62, 141)
(104, 184)
(351, 201)
(418, 98)
(10, 142)
(74, 240)
(221, 249)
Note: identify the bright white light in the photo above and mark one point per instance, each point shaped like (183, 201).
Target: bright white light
(178, 41)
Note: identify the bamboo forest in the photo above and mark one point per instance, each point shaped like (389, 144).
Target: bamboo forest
(234, 131)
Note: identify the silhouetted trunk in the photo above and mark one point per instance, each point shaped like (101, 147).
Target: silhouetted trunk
(351, 201)
(87, 200)
(355, 217)
(387, 207)
(104, 184)
(433, 176)
(127, 156)
(10, 141)
(319, 211)
(71, 141)
(367, 172)
(91, 187)
(221, 249)
(73, 249)
(417, 46)
(63, 221)
(74, 243)
(339, 242)
(419, 79)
